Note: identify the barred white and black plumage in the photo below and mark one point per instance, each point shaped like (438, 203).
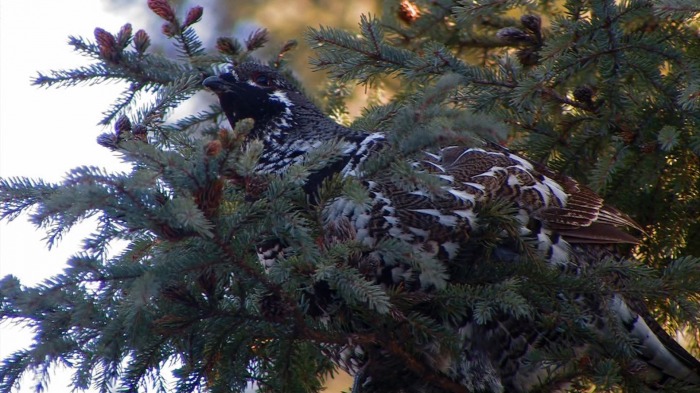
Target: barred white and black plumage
(572, 226)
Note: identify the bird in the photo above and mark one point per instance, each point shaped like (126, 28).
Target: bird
(568, 225)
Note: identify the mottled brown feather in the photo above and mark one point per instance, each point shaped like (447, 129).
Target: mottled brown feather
(583, 219)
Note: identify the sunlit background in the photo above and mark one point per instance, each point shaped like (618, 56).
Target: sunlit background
(46, 132)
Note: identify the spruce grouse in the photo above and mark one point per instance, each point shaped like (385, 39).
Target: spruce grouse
(570, 226)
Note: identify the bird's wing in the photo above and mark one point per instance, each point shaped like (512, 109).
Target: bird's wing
(560, 203)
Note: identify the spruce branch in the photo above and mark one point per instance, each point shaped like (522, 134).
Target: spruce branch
(607, 91)
(681, 9)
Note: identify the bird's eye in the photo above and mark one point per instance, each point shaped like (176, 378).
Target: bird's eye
(262, 80)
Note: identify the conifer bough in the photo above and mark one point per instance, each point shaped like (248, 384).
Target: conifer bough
(406, 249)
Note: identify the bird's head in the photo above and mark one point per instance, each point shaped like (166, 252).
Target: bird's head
(252, 90)
(288, 123)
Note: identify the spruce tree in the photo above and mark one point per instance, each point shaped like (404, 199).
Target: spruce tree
(606, 92)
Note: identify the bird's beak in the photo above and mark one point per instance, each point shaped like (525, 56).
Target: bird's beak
(214, 83)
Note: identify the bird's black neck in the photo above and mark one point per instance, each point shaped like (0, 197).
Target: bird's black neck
(283, 148)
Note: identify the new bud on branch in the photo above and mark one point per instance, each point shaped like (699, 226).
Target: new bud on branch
(193, 16)
(163, 9)
(141, 41)
(109, 50)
